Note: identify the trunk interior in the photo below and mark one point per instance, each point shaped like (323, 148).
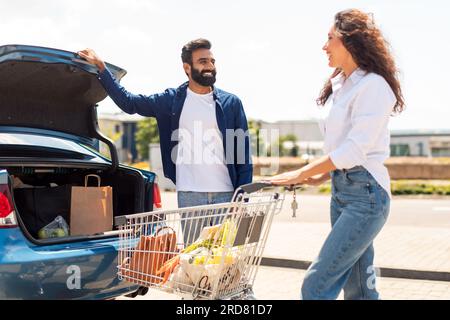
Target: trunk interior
(42, 194)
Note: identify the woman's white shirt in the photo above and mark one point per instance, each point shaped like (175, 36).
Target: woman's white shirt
(356, 129)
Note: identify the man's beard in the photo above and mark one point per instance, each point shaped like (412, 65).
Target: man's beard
(202, 79)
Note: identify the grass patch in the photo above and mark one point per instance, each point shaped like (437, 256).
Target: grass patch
(325, 188)
(405, 187)
(410, 187)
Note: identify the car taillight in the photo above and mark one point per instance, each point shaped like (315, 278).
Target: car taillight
(156, 196)
(7, 214)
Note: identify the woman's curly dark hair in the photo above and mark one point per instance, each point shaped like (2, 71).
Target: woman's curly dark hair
(369, 50)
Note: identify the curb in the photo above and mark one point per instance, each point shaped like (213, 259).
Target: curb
(381, 272)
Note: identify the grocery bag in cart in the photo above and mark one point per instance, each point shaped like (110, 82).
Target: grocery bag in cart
(149, 255)
(223, 261)
(210, 264)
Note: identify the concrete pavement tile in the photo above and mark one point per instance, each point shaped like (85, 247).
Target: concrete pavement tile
(412, 247)
(411, 251)
(288, 283)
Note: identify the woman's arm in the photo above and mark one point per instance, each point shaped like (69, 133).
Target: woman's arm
(321, 167)
(318, 179)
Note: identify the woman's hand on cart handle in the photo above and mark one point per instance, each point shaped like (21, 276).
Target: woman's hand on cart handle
(256, 186)
(291, 178)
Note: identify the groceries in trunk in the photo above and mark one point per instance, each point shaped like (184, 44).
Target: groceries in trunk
(49, 210)
(56, 229)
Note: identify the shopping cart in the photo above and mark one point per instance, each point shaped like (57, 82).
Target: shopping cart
(202, 252)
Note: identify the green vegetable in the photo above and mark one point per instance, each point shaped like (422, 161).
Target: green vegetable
(52, 233)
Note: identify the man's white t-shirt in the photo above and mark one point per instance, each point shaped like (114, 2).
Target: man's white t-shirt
(200, 164)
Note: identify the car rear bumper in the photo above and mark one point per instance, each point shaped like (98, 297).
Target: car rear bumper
(83, 270)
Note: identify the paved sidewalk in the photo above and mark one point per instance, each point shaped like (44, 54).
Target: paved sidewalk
(415, 237)
(412, 248)
(416, 241)
(284, 284)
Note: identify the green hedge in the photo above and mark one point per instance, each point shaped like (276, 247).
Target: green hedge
(325, 188)
(405, 187)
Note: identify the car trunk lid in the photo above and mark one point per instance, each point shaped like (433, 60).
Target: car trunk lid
(52, 89)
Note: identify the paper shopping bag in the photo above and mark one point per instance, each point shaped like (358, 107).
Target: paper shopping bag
(151, 253)
(91, 209)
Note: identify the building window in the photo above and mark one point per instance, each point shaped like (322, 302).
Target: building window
(117, 128)
(440, 152)
(400, 150)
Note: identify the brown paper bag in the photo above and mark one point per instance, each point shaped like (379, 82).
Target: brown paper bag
(91, 209)
(151, 253)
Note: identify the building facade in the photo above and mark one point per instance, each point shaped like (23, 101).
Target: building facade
(121, 128)
(420, 143)
(309, 138)
(405, 143)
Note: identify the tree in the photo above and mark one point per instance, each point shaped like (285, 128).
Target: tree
(253, 129)
(293, 152)
(112, 135)
(147, 132)
(283, 151)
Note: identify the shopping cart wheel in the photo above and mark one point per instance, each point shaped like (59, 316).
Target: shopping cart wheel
(245, 295)
(142, 291)
(249, 295)
(132, 295)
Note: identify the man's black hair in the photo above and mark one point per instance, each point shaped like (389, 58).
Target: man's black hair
(191, 46)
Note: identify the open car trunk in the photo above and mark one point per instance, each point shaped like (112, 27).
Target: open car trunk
(42, 194)
(56, 91)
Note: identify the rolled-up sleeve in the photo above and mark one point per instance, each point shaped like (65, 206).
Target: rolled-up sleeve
(370, 114)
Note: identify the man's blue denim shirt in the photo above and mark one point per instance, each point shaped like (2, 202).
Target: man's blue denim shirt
(166, 107)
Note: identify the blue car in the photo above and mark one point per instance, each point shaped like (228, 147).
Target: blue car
(49, 141)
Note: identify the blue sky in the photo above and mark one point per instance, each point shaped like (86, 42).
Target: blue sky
(268, 52)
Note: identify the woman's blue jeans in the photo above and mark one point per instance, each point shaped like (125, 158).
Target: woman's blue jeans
(359, 209)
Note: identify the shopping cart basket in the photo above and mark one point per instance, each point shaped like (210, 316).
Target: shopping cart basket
(202, 252)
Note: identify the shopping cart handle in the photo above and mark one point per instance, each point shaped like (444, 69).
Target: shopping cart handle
(255, 186)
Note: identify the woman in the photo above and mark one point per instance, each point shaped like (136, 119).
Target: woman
(362, 93)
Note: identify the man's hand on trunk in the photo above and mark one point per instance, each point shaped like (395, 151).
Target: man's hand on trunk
(90, 56)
